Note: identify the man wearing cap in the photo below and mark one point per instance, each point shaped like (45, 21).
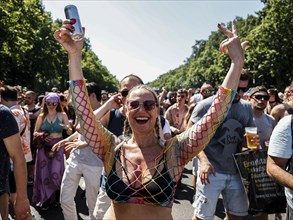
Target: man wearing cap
(258, 98)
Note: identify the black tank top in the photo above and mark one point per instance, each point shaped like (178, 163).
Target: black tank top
(116, 122)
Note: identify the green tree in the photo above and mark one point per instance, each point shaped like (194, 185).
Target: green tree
(31, 57)
(271, 59)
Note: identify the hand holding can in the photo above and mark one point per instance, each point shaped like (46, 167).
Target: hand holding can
(71, 13)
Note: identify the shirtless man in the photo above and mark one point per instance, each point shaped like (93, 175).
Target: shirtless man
(286, 107)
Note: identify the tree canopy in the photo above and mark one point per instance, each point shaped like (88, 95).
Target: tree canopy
(268, 59)
(32, 58)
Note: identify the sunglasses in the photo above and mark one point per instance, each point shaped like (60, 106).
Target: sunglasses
(148, 105)
(124, 93)
(262, 97)
(52, 103)
(181, 96)
(208, 91)
(243, 89)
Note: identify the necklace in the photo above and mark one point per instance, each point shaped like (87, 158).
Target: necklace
(51, 120)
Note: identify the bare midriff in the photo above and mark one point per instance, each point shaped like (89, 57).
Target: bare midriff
(127, 211)
(56, 135)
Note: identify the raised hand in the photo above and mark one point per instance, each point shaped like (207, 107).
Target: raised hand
(115, 101)
(63, 36)
(232, 44)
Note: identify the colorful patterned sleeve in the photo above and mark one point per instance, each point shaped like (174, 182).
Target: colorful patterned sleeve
(96, 135)
(195, 139)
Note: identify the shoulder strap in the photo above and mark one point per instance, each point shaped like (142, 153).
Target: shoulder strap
(292, 129)
(35, 109)
(24, 110)
(23, 130)
(289, 166)
(163, 121)
(112, 115)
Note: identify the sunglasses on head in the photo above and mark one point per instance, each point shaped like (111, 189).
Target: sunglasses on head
(124, 93)
(262, 97)
(148, 105)
(243, 89)
(52, 103)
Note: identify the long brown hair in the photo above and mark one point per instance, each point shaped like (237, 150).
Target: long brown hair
(45, 110)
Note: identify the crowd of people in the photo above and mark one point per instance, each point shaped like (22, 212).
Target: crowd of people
(131, 147)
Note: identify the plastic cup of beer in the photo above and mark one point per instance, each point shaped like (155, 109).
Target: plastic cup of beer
(250, 133)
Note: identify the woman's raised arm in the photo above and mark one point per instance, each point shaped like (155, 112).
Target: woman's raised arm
(198, 136)
(93, 131)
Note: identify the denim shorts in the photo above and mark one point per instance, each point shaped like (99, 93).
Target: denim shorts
(289, 213)
(234, 196)
(194, 166)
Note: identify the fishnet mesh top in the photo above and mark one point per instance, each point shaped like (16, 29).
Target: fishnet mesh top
(159, 189)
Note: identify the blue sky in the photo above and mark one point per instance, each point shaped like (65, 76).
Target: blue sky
(149, 38)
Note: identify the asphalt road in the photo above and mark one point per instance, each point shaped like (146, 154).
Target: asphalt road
(182, 208)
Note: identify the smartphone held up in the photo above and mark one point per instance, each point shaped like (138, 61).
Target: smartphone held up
(71, 13)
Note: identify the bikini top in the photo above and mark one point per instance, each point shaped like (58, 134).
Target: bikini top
(159, 191)
(54, 127)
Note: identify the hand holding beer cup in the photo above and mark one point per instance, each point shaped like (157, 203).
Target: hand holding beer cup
(252, 138)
